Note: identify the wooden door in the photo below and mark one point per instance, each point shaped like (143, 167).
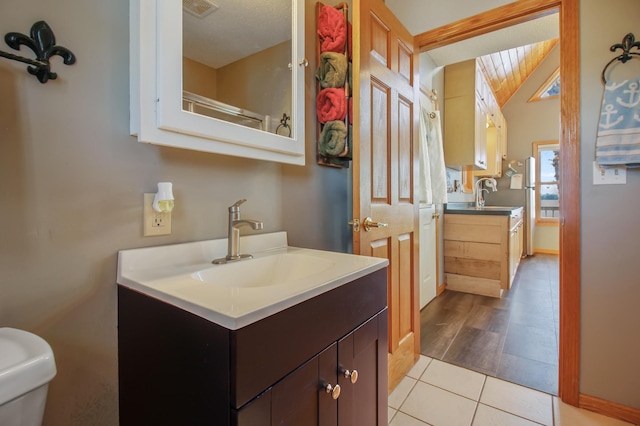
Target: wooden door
(385, 168)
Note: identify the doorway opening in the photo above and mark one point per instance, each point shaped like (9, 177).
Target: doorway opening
(569, 270)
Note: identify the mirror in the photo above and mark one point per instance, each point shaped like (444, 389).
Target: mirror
(236, 57)
(246, 113)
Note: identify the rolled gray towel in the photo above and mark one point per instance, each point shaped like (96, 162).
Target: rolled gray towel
(332, 71)
(333, 138)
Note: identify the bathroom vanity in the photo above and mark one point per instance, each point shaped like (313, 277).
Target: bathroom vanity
(314, 355)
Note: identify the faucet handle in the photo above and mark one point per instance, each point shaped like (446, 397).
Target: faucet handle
(236, 205)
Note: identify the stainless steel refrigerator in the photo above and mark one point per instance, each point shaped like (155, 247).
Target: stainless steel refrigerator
(522, 195)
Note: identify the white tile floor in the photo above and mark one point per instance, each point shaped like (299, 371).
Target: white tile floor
(440, 394)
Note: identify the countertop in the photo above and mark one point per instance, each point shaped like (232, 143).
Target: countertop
(172, 274)
(464, 208)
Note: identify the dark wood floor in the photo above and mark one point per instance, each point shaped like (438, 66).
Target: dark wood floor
(514, 338)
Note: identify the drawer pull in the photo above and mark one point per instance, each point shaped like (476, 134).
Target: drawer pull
(351, 375)
(333, 391)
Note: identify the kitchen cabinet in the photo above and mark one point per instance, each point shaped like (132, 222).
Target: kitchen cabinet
(482, 250)
(474, 126)
(516, 244)
(320, 362)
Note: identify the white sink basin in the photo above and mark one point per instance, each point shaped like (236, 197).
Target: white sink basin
(237, 294)
(278, 269)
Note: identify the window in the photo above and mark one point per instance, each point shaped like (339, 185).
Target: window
(548, 181)
(550, 89)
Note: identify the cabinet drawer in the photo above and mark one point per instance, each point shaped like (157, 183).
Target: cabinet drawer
(263, 352)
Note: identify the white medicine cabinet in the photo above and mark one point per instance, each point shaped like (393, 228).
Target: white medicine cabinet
(160, 113)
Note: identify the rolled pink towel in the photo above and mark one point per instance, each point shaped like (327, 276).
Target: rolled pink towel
(332, 30)
(331, 104)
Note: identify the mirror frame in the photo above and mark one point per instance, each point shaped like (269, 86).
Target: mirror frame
(157, 116)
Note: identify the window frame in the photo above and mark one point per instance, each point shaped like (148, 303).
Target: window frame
(553, 145)
(539, 95)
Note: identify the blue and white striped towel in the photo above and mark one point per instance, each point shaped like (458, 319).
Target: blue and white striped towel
(618, 141)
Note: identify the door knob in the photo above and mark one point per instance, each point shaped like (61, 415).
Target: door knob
(368, 223)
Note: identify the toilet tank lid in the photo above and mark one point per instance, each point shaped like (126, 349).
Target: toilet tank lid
(26, 363)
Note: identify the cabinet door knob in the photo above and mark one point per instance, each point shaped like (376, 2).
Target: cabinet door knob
(351, 375)
(333, 391)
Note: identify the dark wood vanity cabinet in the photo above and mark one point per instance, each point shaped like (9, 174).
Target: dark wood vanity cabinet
(178, 368)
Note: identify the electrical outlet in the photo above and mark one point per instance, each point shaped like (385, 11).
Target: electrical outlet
(155, 223)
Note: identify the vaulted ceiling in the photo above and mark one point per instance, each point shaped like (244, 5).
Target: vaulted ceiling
(507, 70)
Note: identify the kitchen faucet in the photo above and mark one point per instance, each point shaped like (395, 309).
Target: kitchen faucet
(491, 183)
(233, 245)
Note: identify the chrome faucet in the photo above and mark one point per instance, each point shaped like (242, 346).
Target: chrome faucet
(491, 183)
(233, 245)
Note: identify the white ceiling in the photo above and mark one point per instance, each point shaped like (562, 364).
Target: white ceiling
(420, 16)
(238, 28)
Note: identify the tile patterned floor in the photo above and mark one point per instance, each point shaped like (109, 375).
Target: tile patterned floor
(440, 394)
(514, 338)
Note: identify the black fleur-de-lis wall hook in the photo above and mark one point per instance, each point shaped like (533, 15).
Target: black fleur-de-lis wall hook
(628, 42)
(43, 44)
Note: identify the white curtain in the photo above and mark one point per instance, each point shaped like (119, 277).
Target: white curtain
(433, 176)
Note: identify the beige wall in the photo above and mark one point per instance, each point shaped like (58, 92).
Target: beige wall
(199, 78)
(610, 243)
(260, 82)
(529, 122)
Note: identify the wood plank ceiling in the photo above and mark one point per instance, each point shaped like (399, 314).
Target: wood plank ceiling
(507, 70)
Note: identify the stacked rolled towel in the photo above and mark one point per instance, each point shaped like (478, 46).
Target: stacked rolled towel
(331, 104)
(332, 30)
(333, 139)
(618, 140)
(332, 71)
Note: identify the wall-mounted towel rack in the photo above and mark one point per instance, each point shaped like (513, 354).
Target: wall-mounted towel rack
(284, 125)
(628, 43)
(43, 44)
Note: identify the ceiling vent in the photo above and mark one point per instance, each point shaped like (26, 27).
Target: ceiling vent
(199, 8)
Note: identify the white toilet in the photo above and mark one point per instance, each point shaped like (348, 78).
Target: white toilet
(26, 368)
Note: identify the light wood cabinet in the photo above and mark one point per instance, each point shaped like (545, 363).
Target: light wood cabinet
(474, 126)
(482, 252)
(516, 243)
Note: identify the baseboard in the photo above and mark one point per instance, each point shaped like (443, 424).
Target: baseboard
(610, 409)
(440, 289)
(545, 251)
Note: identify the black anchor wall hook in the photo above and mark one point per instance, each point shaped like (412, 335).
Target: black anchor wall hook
(43, 44)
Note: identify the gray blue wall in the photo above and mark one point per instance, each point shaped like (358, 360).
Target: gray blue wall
(610, 230)
(72, 179)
